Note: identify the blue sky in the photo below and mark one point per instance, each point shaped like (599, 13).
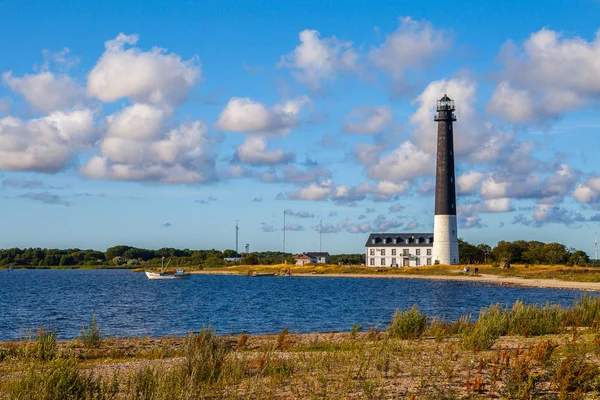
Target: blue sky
(162, 123)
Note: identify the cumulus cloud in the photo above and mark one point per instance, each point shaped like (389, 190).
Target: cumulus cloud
(299, 214)
(154, 76)
(253, 152)
(415, 44)
(382, 224)
(248, 116)
(411, 225)
(315, 61)
(167, 225)
(294, 227)
(45, 144)
(267, 227)
(182, 154)
(45, 91)
(405, 163)
(383, 190)
(588, 191)
(549, 214)
(469, 182)
(396, 208)
(546, 76)
(315, 191)
(367, 120)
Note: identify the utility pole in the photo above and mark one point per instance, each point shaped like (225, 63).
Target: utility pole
(321, 236)
(236, 237)
(596, 245)
(284, 260)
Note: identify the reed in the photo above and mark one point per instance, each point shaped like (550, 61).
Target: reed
(92, 335)
(407, 324)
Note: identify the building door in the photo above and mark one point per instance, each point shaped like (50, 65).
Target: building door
(405, 262)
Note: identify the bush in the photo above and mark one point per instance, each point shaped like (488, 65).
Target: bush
(408, 324)
(586, 311)
(575, 374)
(532, 320)
(45, 347)
(492, 323)
(58, 379)
(92, 336)
(205, 355)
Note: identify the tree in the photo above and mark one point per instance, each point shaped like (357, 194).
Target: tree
(467, 253)
(555, 253)
(230, 254)
(504, 251)
(484, 252)
(579, 258)
(250, 259)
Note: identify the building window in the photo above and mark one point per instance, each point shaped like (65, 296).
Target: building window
(451, 180)
(383, 261)
(453, 232)
(418, 252)
(405, 252)
(383, 252)
(393, 252)
(372, 261)
(429, 261)
(372, 252)
(428, 252)
(418, 261)
(393, 261)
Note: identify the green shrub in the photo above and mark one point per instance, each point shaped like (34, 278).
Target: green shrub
(45, 346)
(533, 320)
(58, 379)
(205, 355)
(586, 311)
(493, 322)
(92, 335)
(408, 324)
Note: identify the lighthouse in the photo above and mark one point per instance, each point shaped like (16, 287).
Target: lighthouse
(445, 234)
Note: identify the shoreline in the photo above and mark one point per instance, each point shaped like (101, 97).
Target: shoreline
(483, 278)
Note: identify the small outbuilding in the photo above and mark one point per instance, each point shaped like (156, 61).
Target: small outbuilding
(312, 258)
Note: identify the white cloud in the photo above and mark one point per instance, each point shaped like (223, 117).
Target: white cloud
(45, 91)
(468, 183)
(367, 120)
(315, 61)
(154, 76)
(549, 75)
(253, 152)
(588, 191)
(248, 116)
(383, 190)
(180, 155)
(45, 144)
(405, 163)
(415, 44)
(139, 121)
(315, 191)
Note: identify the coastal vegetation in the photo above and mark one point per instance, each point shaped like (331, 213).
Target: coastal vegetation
(517, 252)
(516, 352)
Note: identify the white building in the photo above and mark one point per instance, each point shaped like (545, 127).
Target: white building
(399, 249)
(312, 258)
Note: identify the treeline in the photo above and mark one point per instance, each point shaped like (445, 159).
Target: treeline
(521, 252)
(128, 256)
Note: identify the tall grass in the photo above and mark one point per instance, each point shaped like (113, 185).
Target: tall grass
(407, 324)
(92, 335)
(58, 379)
(45, 344)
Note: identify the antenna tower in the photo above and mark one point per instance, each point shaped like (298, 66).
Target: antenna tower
(321, 236)
(596, 245)
(284, 260)
(236, 237)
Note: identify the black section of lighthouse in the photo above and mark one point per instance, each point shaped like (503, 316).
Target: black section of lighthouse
(445, 240)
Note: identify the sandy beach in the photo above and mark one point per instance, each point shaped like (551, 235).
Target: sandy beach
(483, 278)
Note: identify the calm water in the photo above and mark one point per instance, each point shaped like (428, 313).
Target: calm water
(128, 304)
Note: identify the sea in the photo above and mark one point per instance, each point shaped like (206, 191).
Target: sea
(127, 304)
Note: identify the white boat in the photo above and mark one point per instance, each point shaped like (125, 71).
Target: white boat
(163, 274)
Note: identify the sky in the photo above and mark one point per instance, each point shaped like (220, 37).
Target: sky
(160, 124)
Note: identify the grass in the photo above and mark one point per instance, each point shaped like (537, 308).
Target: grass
(92, 335)
(521, 351)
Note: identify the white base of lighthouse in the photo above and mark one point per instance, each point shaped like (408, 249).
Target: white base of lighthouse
(445, 239)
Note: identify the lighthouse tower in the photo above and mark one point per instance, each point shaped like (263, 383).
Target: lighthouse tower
(445, 234)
